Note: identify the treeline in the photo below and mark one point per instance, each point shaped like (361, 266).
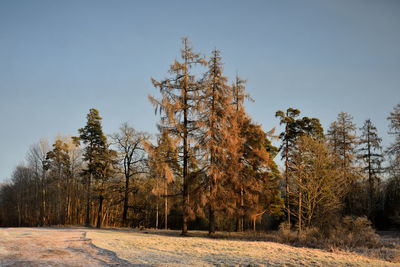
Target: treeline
(209, 167)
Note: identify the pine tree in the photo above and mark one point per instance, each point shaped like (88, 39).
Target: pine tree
(370, 153)
(179, 106)
(294, 128)
(94, 139)
(288, 138)
(105, 170)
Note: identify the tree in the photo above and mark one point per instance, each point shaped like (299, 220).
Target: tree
(163, 160)
(216, 100)
(288, 138)
(394, 130)
(315, 175)
(392, 189)
(370, 153)
(59, 164)
(342, 137)
(293, 129)
(36, 158)
(94, 139)
(179, 105)
(130, 144)
(258, 176)
(22, 178)
(105, 170)
(238, 119)
(342, 140)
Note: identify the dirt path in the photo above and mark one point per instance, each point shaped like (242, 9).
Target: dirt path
(52, 247)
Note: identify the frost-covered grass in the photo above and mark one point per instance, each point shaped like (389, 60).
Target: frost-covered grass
(161, 248)
(123, 247)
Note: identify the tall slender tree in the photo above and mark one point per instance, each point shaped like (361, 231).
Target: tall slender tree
(294, 128)
(217, 99)
(95, 144)
(288, 137)
(343, 141)
(239, 117)
(370, 152)
(394, 130)
(105, 170)
(60, 166)
(342, 136)
(179, 106)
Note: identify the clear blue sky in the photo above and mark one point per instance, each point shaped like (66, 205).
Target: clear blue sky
(60, 58)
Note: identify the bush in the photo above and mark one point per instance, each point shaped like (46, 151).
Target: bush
(285, 234)
(350, 232)
(354, 232)
(311, 237)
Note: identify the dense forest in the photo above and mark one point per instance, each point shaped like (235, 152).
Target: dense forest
(210, 167)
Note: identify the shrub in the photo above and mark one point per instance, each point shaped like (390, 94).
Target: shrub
(350, 232)
(311, 237)
(285, 234)
(354, 232)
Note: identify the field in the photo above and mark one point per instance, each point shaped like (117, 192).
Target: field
(120, 247)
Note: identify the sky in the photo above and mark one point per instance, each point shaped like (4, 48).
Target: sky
(58, 59)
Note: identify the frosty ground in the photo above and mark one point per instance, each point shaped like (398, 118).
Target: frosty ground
(120, 247)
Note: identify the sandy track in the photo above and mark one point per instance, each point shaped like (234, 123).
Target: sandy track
(52, 247)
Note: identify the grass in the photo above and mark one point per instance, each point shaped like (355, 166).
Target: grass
(224, 249)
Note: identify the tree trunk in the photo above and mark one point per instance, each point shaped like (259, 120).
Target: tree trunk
(185, 192)
(241, 219)
(99, 214)
(126, 198)
(286, 171)
(299, 211)
(89, 178)
(165, 204)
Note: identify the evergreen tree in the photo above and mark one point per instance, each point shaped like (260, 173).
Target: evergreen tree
(95, 141)
(179, 106)
(295, 128)
(288, 138)
(104, 171)
(370, 153)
